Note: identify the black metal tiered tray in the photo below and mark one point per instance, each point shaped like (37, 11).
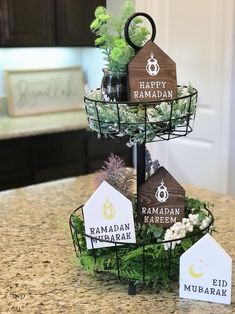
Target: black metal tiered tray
(138, 123)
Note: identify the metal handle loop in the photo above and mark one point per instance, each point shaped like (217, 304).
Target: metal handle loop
(128, 22)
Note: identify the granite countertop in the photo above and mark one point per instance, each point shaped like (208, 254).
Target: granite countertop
(38, 272)
(14, 127)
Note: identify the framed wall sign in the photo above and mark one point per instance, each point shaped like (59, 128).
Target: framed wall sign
(40, 91)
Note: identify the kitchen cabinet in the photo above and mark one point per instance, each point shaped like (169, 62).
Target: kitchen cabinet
(37, 23)
(41, 158)
(98, 150)
(73, 19)
(15, 164)
(59, 155)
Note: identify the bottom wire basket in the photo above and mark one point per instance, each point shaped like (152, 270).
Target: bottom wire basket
(149, 262)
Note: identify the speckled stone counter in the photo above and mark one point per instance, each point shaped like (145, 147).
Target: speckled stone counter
(13, 127)
(38, 274)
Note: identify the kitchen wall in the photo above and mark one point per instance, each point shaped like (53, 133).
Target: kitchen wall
(90, 59)
(199, 37)
(114, 6)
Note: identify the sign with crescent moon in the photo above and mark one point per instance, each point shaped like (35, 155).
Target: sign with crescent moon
(201, 274)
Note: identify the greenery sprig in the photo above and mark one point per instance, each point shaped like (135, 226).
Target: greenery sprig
(110, 36)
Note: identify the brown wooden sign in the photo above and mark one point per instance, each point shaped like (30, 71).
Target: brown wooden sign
(161, 200)
(152, 75)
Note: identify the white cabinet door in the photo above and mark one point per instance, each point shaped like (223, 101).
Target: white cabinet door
(197, 35)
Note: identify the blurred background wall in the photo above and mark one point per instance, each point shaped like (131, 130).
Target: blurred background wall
(199, 37)
(90, 59)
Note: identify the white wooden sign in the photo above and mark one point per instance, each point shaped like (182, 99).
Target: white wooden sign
(206, 272)
(108, 216)
(44, 90)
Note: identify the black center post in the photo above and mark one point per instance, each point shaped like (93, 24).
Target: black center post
(140, 174)
(140, 165)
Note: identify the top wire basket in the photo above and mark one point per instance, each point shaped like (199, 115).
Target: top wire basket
(142, 122)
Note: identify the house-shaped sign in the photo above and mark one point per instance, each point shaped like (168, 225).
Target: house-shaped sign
(206, 272)
(161, 200)
(152, 75)
(108, 218)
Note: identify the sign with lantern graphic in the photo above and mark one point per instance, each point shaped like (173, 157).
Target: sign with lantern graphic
(161, 200)
(151, 73)
(108, 218)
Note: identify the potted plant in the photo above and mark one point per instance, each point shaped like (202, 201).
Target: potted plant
(109, 31)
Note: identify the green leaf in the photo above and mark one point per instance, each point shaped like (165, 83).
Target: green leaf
(201, 216)
(99, 11)
(95, 24)
(186, 244)
(158, 232)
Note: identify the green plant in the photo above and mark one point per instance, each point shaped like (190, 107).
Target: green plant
(110, 35)
(149, 261)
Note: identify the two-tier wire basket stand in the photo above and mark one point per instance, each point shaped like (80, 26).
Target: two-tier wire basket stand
(137, 123)
(176, 123)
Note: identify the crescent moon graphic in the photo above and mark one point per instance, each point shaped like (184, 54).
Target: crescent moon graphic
(193, 273)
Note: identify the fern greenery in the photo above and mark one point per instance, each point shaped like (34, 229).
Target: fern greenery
(147, 261)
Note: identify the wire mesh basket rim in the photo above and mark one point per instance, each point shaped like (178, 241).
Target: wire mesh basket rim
(137, 103)
(143, 243)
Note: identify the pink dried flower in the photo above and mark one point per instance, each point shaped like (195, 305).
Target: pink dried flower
(113, 163)
(117, 175)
